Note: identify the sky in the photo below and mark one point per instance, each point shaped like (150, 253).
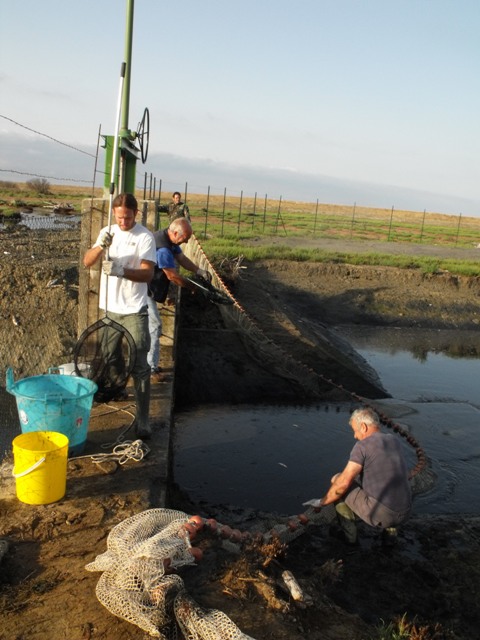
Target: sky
(372, 102)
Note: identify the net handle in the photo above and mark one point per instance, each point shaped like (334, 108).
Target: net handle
(113, 173)
(116, 145)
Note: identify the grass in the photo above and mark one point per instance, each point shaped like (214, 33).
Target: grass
(216, 216)
(220, 248)
(15, 196)
(229, 227)
(401, 629)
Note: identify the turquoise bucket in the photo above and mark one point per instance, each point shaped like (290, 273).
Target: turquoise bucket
(54, 403)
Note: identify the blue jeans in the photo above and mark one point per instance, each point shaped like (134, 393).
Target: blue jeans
(155, 330)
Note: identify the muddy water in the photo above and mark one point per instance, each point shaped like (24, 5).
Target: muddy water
(275, 458)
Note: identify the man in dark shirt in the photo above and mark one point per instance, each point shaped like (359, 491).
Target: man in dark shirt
(176, 208)
(374, 484)
(169, 255)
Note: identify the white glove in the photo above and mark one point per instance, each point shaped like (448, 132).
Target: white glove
(112, 268)
(106, 240)
(203, 273)
(315, 503)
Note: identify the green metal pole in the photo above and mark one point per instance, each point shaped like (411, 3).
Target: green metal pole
(124, 132)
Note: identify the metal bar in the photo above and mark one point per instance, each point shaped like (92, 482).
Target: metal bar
(239, 211)
(115, 146)
(206, 211)
(223, 210)
(128, 61)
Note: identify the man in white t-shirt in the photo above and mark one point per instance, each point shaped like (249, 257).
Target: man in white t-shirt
(129, 269)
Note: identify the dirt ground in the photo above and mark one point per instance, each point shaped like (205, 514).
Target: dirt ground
(432, 574)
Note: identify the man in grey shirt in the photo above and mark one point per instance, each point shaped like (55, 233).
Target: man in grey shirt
(374, 484)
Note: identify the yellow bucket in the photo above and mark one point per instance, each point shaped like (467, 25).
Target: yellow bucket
(40, 466)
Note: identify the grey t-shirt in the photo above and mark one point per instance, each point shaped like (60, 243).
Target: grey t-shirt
(385, 473)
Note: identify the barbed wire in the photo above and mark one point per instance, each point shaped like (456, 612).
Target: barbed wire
(47, 136)
(37, 175)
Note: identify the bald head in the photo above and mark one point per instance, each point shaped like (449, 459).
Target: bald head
(180, 230)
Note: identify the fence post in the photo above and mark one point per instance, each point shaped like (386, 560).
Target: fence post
(240, 212)
(223, 209)
(264, 213)
(279, 217)
(315, 220)
(423, 224)
(390, 227)
(254, 209)
(186, 190)
(145, 187)
(353, 220)
(206, 212)
(458, 228)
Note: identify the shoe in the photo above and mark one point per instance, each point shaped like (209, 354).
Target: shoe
(157, 375)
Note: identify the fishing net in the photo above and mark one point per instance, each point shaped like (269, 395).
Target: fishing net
(209, 292)
(105, 353)
(136, 584)
(200, 624)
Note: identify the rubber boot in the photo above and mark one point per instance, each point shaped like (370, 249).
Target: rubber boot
(346, 520)
(142, 400)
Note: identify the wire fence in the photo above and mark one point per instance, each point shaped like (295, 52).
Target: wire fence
(38, 306)
(241, 216)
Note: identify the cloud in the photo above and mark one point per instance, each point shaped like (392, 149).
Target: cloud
(24, 157)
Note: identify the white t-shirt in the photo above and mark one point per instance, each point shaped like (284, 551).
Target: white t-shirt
(128, 248)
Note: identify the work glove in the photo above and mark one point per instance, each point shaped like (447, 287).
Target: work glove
(106, 240)
(203, 273)
(113, 268)
(316, 503)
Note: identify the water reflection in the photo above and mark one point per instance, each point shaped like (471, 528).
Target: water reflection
(423, 365)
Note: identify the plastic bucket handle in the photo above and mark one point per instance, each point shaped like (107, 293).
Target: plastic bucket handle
(27, 471)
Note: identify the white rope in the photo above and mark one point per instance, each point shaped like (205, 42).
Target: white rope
(134, 450)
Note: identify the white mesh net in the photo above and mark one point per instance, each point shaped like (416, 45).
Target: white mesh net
(200, 624)
(134, 584)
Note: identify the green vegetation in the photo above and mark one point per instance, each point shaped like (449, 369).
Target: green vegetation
(220, 248)
(249, 217)
(39, 194)
(401, 629)
(229, 228)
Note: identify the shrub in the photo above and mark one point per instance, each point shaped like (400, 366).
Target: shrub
(39, 185)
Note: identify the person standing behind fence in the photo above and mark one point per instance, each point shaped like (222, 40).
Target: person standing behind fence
(176, 208)
(169, 254)
(129, 269)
